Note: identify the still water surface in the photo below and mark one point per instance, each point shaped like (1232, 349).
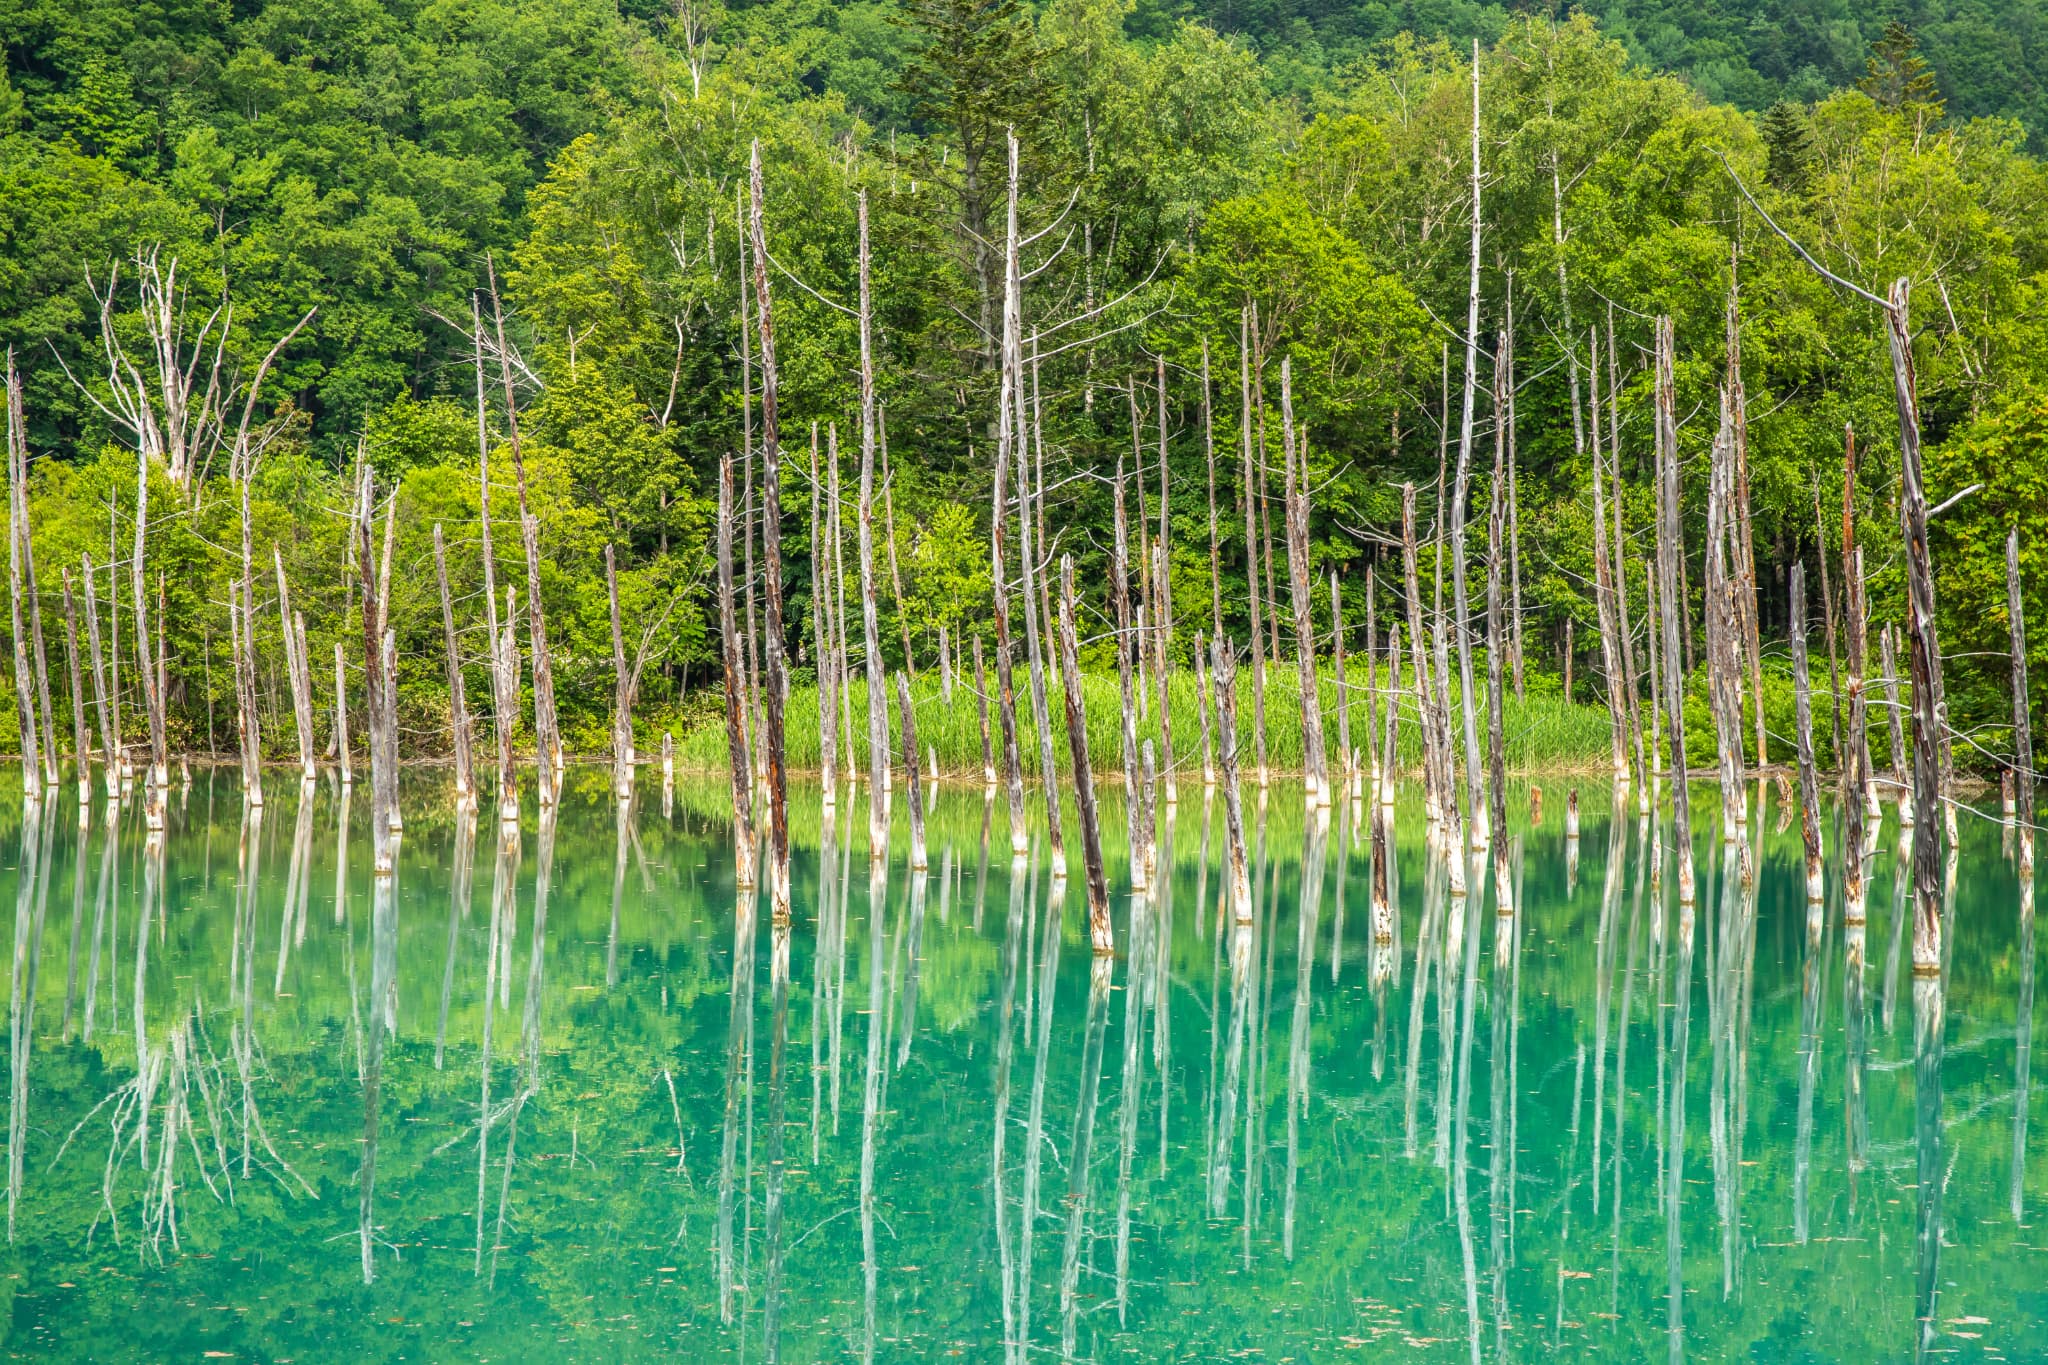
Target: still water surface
(544, 1102)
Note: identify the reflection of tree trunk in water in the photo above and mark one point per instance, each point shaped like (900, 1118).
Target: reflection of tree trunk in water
(1455, 948)
(1427, 936)
(1314, 853)
(1500, 1102)
(1262, 1010)
(383, 1022)
(1856, 1023)
(1628, 978)
(2023, 1038)
(621, 819)
(878, 900)
(1077, 1163)
(1041, 1050)
(529, 1021)
(297, 874)
(1810, 985)
(1929, 1027)
(914, 948)
(839, 961)
(243, 960)
(738, 1073)
(1603, 973)
(458, 911)
(28, 942)
(1467, 907)
(77, 918)
(109, 883)
(1674, 1130)
(504, 910)
(1902, 892)
(1162, 984)
(823, 953)
(1131, 1090)
(998, 1162)
(778, 1048)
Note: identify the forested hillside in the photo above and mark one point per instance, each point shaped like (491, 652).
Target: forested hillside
(377, 163)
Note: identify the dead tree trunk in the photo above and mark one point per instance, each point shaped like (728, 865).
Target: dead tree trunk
(1475, 793)
(24, 682)
(547, 734)
(1603, 588)
(871, 634)
(297, 671)
(1249, 495)
(1724, 632)
(1895, 718)
(1670, 548)
(1008, 441)
(1433, 798)
(1827, 606)
(2022, 723)
(35, 597)
(504, 722)
(1856, 760)
(102, 694)
(744, 858)
(1101, 935)
(1496, 754)
(1036, 630)
(622, 688)
(458, 702)
(775, 683)
(379, 687)
(1315, 758)
(81, 737)
(1372, 682)
(1223, 663)
(1119, 590)
(159, 779)
(1346, 764)
(1929, 704)
(988, 756)
(1162, 601)
(911, 777)
(341, 745)
(1809, 780)
(821, 637)
(895, 572)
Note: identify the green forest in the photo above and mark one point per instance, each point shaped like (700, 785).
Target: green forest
(183, 184)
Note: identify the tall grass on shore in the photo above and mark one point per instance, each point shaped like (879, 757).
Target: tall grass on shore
(1543, 733)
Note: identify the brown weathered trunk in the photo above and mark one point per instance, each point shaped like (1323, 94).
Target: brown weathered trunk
(912, 789)
(1809, 780)
(1315, 757)
(1670, 549)
(1929, 703)
(547, 734)
(1101, 935)
(2022, 722)
(458, 702)
(735, 692)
